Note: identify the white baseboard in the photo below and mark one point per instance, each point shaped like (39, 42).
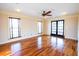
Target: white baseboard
(70, 38)
(16, 39)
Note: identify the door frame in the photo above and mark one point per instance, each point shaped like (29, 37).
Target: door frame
(57, 28)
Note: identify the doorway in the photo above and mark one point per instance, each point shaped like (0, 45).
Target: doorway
(14, 27)
(57, 28)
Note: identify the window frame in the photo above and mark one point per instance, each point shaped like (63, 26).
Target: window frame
(19, 29)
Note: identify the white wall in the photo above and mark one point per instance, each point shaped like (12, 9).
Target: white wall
(70, 25)
(78, 27)
(4, 29)
(28, 26)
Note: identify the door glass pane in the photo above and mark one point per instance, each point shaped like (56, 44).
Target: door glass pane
(53, 27)
(60, 27)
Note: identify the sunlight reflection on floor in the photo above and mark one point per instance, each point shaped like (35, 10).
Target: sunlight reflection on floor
(39, 42)
(15, 47)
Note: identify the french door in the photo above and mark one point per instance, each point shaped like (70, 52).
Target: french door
(57, 28)
(14, 27)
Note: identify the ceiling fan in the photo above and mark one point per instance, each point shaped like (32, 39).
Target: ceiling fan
(46, 13)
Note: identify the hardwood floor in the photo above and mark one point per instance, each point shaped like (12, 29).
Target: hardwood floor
(40, 46)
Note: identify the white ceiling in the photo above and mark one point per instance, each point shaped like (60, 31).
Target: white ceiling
(35, 9)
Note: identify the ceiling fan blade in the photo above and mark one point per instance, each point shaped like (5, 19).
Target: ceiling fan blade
(47, 12)
(48, 15)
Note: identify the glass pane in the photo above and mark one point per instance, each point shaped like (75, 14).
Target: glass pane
(39, 27)
(60, 27)
(53, 27)
(15, 27)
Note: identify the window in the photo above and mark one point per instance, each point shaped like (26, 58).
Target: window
(14, 27)
(39, 27)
